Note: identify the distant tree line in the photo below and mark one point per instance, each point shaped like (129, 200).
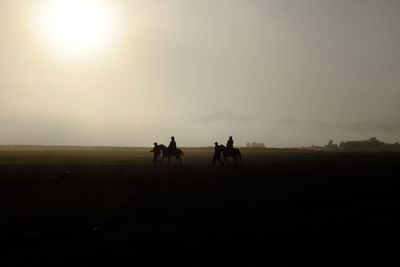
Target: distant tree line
(255, 145)
(371, 144)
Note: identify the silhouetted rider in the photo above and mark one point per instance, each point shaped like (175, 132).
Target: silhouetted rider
(172, 145)
(157, 152)
(229, 144)
(217, 154)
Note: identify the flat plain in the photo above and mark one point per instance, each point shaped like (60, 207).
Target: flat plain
(109, 206)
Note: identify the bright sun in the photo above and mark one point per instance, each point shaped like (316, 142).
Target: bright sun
(77, 28)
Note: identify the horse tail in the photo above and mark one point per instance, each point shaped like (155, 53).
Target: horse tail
(183, 154)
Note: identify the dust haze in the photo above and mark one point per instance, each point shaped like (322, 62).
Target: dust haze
(286, 73)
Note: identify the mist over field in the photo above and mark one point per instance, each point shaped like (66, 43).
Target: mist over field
(308, 89)
(286, 73)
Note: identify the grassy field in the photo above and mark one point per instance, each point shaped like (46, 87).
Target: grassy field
(80, 206)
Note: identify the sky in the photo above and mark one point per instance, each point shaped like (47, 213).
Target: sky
(288, 73)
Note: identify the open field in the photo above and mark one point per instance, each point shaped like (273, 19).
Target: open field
(280, 207)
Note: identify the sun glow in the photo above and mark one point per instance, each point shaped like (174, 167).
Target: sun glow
(77, 28)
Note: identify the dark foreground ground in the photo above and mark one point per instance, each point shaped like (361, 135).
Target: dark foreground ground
(281, 207)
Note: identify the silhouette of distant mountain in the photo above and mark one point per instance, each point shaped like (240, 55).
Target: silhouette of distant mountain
(223, 117)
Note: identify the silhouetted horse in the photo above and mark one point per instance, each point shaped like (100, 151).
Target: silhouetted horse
(167, 154)
(231, 153)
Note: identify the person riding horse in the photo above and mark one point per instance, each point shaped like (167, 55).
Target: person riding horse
(171, 151)
(172, 145)
(229, 144)
(234, 153)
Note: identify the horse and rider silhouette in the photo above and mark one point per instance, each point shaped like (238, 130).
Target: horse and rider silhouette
(167, 152)
(228, 151)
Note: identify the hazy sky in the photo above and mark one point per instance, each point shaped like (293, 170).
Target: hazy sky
(287, 73)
